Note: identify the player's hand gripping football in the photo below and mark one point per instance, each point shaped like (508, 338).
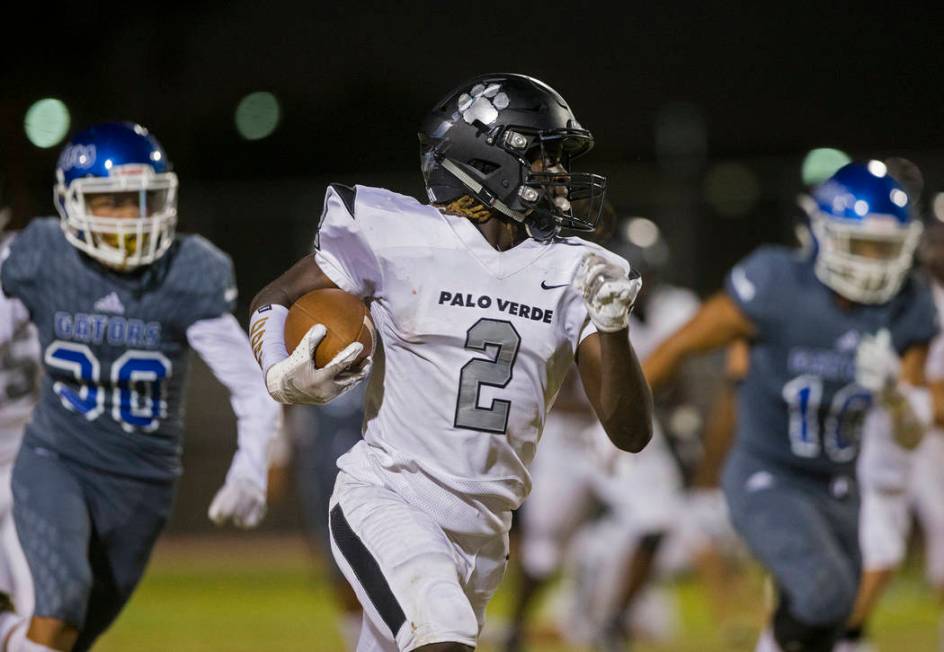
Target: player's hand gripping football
(608, 292)
(296, 380)
(877, 364)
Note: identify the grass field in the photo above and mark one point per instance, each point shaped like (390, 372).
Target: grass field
(249, 594)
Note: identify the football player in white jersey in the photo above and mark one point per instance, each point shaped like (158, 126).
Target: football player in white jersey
(481, 309)
(19, 384)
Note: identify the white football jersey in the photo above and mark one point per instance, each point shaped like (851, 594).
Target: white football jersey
(475, 346)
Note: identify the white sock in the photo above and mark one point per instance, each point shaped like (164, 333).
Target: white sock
(766, 643)
(13, 635)
(350, 626)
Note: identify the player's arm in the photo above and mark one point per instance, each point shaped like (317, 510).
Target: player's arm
(13, 313)
(609, 370)
(720, 426)
(718, 322)
(617, 389)
(299, 279)
(223, 345)
(901, 389)
(294, 379)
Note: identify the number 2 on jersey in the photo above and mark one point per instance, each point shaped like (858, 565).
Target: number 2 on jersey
(138, 397)
(500, 340)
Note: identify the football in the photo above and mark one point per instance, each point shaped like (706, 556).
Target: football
(343, 315)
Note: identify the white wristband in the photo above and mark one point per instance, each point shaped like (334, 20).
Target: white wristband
(267, 335)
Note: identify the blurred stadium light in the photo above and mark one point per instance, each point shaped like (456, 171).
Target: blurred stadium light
(257, 115)
(642, 232)
(938, 206)
(819, 164)
(46, 122)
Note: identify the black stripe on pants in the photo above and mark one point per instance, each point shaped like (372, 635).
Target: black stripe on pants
(367, 570)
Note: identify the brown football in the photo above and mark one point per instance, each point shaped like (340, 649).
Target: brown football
(344, 316)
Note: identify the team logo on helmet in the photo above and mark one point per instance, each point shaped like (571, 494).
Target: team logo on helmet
(482, 103)
(77, 156)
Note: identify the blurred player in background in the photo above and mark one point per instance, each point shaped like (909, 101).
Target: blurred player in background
(574, 471)
(896, 481)
(118, 302)
(19, 384)
(823, 331)
(481, 308)
(317, 437)
(641, 494)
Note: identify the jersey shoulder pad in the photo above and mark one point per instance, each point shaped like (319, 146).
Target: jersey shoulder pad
(40, 245)
(914, 317)
(347, 195)
(203, 271)
(381, 200)
(761, 281)
(759, 272)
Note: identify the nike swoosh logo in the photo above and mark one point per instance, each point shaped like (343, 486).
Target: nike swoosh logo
(545, 286)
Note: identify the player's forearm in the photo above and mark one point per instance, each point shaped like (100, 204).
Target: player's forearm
(911, 413)
(224, 347)
(717, 323)
(625, 401)
(301, 278)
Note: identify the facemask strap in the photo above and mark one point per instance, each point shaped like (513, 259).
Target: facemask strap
(480, 191)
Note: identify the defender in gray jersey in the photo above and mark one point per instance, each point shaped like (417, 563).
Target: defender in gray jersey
(118, 302)
(824, 330)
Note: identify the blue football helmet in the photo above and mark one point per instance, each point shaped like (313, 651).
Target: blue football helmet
(118, 159)
(865, 232)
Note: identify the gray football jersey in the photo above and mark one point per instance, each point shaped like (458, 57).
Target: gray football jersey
(799, 405)
(115, 352)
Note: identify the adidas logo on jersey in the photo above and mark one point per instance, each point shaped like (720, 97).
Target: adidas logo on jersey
(110, 303)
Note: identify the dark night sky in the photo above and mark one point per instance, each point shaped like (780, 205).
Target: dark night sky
(354, 78)
(770, 80)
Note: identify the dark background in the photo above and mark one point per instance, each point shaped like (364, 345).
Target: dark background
(677, 96)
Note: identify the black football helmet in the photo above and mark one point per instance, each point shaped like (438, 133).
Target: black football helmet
(484, 138)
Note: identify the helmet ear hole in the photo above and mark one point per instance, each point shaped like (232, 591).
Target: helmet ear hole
(483, 166)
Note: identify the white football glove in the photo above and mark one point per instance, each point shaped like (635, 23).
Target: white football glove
(241, 501)
(877, 364)
(607, 291)
(296, 380)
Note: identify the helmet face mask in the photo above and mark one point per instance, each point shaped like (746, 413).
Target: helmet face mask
(510, 141)
(864, 233)
(116, 197)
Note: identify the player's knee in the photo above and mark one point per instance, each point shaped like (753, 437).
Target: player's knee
(436, 606)
(829, 601)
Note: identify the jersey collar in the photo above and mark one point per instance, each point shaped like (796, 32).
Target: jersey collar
(500, 264)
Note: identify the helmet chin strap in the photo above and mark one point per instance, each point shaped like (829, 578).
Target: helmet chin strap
(541, 226)
(480, 191)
